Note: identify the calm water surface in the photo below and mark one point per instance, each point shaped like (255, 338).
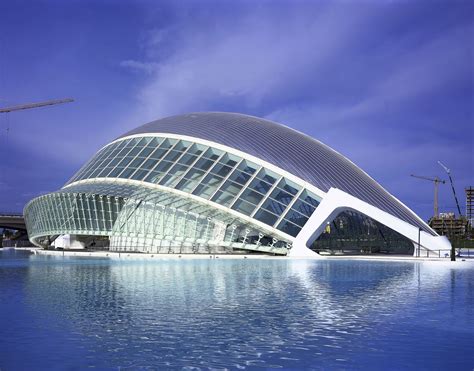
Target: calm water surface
(71, 313)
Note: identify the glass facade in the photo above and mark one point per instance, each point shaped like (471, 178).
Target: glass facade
(208, 173)
(352, 233)
(289, 150)
(141, 219)
(190, 181)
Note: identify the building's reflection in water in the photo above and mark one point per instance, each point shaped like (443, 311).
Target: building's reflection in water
(232, 312)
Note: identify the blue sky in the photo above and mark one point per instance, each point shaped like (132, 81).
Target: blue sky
(389, 84)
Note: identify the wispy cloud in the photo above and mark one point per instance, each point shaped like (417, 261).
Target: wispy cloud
(356, 77)
(140, 66)
(252, 62)
(389, 84)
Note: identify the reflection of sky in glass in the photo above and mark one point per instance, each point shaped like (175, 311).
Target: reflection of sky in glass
(281, 313)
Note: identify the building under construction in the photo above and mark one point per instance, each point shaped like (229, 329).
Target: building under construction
(447, 224)
(470, 205)
(456, 228)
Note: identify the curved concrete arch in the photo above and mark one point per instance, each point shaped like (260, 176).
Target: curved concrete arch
(337, 201)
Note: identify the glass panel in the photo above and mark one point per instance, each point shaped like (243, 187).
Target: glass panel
(182, 146)
(260, 186)
(243, 206)
(208, 186)
(140, 174)
(230, 160)
(122, 165)
(158, 154)
(136, 163)
(149, 164)
(311, 198)
(98, 158)
(118, 148)
(131, 168)
(240, 177)
(227, 193)
(274, 206)
(135, 151)
(223, 198)
(288, 186)
(296, 218)
(128, 146)
(150, 147)
(133, 142)
(204, 191)
(221, 169)
(123, 149)
(212, 154)
(187, 159)
(143, 141)
(252, 196)
(123, 156)
(173, 155)
(146, 151)
(290, 228)
(281, 196)
(100, 162)
(158, 172)
(203, 164)
(248, 167)
(231, 187)
(102, 170)
(268, 176)
(126, 173)
(86, 173)
(98, 167)
(175, 172)
(191, 179)
(303, 207)
(197, 149)
(266, 217)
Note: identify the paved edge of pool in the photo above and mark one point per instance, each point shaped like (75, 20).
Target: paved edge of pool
(150, 256)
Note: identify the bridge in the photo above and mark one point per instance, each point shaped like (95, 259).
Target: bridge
(12, 221)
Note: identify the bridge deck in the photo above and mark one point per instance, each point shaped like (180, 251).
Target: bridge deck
(12, 221)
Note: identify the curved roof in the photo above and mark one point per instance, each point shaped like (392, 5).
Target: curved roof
(290, 150)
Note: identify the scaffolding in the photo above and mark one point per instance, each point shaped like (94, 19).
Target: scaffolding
(470, 205)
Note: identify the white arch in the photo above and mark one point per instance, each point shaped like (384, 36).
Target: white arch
(337, 201)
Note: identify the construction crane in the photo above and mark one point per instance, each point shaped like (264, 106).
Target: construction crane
(452, 185)
(35, 105)
(436, 181)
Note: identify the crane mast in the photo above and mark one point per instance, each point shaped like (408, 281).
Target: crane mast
(436, 182)
(452, 185)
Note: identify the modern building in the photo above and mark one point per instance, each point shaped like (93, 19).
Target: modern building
(226, 183)
(447, 224)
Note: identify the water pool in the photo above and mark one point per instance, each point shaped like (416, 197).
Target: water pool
(73, 313)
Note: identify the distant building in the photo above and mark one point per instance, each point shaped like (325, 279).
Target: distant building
(448, 225)
(226, 183)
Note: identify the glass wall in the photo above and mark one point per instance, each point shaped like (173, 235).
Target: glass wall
(144, 220)
(208, 173)
(354, 233)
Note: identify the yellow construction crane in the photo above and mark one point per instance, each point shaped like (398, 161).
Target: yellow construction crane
(436, 181)
(35, 105)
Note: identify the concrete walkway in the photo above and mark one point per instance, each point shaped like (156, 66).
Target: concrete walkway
(151, 256)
